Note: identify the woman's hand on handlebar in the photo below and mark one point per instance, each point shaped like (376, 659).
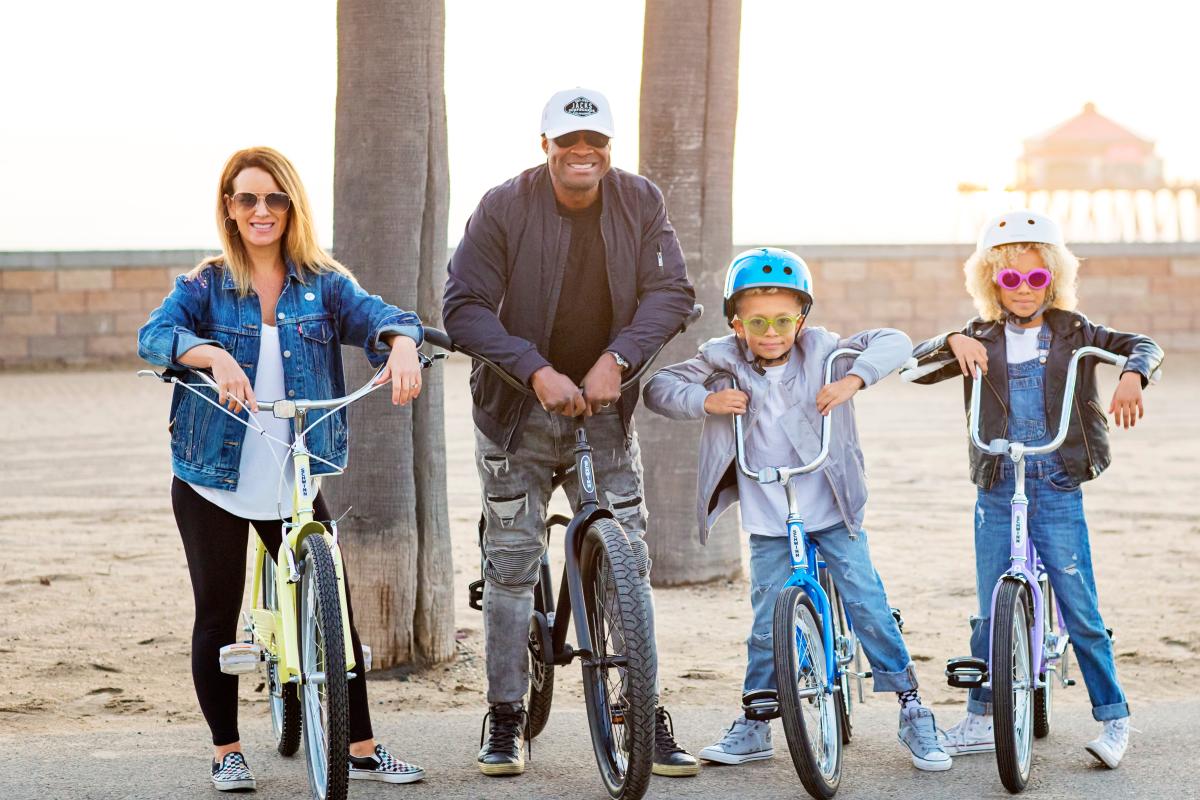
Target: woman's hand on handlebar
(602, 384)
(403, 369)
(968, 352)
(834, 394)
(727, 401)
(557, 393)
(1126, 406)
(236, 391)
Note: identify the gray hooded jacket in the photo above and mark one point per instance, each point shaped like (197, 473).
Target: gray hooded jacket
(678, 392)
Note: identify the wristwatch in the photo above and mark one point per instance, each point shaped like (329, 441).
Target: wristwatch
(620, 359)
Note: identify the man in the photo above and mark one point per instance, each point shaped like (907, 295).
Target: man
(568, 276)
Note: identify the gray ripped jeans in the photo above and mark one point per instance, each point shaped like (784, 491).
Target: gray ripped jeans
(516, 490)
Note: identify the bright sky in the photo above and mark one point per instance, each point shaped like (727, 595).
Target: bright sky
(857, 120)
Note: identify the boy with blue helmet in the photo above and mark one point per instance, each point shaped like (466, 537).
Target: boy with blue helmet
(779, 365)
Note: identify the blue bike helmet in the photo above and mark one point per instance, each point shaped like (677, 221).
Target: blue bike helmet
(764, 267)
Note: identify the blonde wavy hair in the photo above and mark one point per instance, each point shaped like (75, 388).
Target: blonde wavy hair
(983, 266)
(299, 238)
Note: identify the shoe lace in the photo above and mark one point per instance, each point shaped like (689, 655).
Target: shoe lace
(926, 733)
(664, 732)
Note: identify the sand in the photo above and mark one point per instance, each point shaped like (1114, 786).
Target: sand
(95, 606)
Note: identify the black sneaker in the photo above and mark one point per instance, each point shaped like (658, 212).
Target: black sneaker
(669, 758)
(233, 774)
(383, 767)
(502, 753)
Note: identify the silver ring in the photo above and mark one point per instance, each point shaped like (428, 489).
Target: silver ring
(605, 405)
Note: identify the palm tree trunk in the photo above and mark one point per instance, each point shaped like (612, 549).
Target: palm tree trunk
(688, 114)
(390, 215)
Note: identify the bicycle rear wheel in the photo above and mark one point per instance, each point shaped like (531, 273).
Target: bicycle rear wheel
(811, 719)
(1043, 698)
(618, 679)
(285, 703)
(323, 664)
(1012, 685)
(845, 648)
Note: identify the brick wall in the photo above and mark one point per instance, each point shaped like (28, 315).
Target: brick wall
(86, 307)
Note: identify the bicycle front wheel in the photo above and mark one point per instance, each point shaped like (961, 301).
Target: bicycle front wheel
(323, 664)
(285, 703)
(811, 719)
(618, 679)
(845, 649)
(1012, 686)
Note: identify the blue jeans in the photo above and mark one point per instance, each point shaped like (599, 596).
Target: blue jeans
(849, 561)
(1060, 534)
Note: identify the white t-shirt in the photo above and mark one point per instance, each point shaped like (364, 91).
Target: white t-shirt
(1021, 344)
(258, 473)
(764, 507)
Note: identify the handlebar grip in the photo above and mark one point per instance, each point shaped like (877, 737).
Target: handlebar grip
(910, 374)
(439, 338)
(695, 314)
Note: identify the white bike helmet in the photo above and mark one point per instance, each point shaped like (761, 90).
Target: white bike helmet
(1021, 225)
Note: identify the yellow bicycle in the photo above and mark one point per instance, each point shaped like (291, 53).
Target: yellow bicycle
(298, 624)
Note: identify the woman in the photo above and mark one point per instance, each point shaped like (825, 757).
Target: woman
(268, 317)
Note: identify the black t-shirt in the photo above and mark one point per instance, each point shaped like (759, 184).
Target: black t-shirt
(583, 319)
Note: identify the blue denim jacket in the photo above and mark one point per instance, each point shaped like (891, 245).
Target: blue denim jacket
(314, 320)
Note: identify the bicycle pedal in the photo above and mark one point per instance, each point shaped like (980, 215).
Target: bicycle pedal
(617, 715)
(475, 595)
(761, 704)
(966, 672)
(366, 665)
(1069, 682)
(240, 657)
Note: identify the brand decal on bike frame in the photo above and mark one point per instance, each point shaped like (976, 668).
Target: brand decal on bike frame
(586, 475)
(303, 482)
(797, 543)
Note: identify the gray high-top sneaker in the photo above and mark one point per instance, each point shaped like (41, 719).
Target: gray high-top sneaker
(744, 740)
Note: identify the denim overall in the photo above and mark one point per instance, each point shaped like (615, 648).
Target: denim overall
(1059, 532)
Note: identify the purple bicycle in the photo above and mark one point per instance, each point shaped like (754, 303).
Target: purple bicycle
(1028, 641)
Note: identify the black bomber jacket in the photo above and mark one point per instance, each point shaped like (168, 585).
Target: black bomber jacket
(1085, 451)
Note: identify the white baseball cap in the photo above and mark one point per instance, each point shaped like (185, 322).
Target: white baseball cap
(576, 110)
(1021, 225)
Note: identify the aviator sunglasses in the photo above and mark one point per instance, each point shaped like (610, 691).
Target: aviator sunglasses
(593, 139)
(248, 201)
(1011, 279)
(784, 324)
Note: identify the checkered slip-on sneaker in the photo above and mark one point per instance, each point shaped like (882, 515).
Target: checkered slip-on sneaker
(382, 767)
(233, 774)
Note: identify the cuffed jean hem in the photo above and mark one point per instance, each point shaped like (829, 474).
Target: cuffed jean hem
(1111, 711)
(895, 681)
(979, 708)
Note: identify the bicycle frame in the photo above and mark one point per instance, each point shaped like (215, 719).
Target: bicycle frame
(806, 565)
(1024, 564)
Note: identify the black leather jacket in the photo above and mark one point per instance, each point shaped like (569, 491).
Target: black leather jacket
(1085, 451)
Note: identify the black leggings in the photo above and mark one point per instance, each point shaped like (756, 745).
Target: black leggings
(214, 542)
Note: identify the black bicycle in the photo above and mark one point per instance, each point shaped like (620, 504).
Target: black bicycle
(603, 592)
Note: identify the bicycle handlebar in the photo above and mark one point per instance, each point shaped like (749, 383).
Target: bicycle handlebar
(784, 474)
(439, 338)
(998, 447)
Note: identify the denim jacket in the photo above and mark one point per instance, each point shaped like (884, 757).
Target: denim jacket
(314, 320)
(678, 392)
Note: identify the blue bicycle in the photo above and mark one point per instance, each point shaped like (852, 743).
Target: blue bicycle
(817, 654)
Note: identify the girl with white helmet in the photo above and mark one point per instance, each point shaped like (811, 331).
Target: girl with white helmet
(1022, 279)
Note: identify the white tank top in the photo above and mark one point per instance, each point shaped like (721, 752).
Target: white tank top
(258, 473)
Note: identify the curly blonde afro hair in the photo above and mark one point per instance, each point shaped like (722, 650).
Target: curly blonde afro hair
(983, 266)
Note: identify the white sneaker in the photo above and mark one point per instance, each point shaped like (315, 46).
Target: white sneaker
(1110, 747)
(744, 740)
(972, 735)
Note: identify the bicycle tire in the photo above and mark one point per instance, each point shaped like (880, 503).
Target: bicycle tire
(1012, 683)
(1043, 698)
(283, 699)
(541, 677)
(620, 701)
(322, 650)
(816, 745)
(841, 633)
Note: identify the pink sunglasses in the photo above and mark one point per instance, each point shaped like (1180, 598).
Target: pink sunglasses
(1011, 279)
